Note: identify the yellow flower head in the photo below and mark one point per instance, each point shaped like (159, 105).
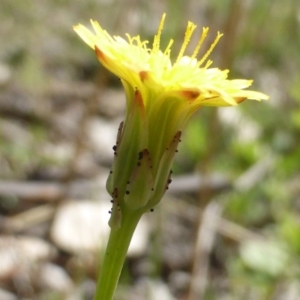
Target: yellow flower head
(150, 68)
(161, 95)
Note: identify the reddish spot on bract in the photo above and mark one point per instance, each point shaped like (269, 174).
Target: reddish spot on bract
(143, 75)
(138, 98)
(190, 95)
(240, 99)
(99, 54)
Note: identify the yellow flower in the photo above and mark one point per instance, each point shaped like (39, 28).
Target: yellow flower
(161, 96)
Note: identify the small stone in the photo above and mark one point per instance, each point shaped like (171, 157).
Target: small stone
(54, 278)
(5, 295)
(5, 76)
(21, 253)
(83, 226)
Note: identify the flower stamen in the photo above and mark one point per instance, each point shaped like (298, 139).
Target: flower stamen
(202, 38)
(168, 49)
(156, 41)
(187, 37)
(211, 48)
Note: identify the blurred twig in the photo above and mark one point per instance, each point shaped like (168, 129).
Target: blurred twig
(33, 191)
(52, 191)
(28, 218)
(204, 244)
(223, 226)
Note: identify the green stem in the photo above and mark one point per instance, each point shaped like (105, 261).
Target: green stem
(115, 254)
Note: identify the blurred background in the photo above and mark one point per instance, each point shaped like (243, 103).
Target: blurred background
(228, 229)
